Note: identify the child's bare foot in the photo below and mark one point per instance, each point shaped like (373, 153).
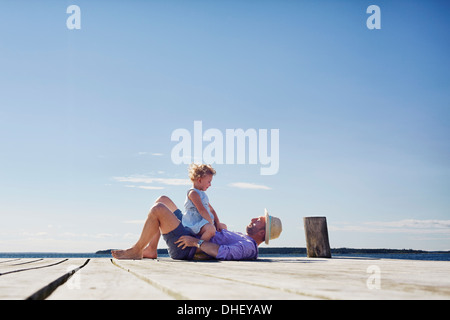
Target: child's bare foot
(129, 254)
(150, 253)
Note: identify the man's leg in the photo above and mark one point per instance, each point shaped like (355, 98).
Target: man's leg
(159, 220)
(151, 251)
(168, 202)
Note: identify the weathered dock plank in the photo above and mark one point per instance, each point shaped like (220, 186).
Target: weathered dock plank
(189, 280)
(19, 281)
(100, 279)
(302, 278)
(267, 278)
(10, 266)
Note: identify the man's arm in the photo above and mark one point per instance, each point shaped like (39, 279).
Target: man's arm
(242, 250)
(210, 248)
(207, 247)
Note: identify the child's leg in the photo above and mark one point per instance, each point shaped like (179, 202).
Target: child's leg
(207, 232)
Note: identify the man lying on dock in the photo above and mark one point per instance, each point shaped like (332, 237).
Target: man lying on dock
(165, 218)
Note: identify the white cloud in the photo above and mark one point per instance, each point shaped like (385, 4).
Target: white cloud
(103, 235)
(148, 180)
(410, 226)
(131, 236)
(145, 187)
(35, 234)
(411, 223)
(144, 153)
(246, 185)
(134, 221)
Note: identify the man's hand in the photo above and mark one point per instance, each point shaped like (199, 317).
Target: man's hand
(221, 226)
(209, 248)
(187, 241)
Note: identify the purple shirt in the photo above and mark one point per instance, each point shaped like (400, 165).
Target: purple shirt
(235, 246)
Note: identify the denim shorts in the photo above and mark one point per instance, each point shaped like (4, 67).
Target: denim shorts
(176, 252)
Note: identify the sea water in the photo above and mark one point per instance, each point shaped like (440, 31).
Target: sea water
(412, 256)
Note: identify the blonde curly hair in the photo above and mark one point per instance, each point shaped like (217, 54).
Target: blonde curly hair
(200, 170)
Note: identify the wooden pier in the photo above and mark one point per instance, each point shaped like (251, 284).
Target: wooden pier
(265, 279)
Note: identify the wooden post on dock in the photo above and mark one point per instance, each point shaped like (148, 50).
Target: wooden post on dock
(317, 242)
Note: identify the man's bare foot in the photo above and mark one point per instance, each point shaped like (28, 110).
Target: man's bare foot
(129, 254)
(150, 253)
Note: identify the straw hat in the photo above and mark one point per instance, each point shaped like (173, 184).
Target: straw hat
(273, 227)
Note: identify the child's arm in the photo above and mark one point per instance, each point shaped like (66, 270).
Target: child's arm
(219, 226)
(195, 198)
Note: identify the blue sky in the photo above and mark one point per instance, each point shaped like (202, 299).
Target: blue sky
(86, 117)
